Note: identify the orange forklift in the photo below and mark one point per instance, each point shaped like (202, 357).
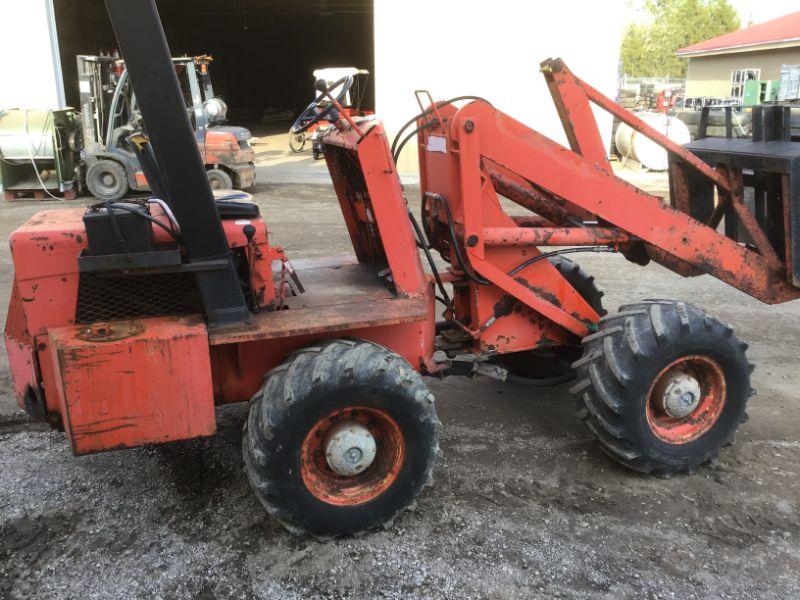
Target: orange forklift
(110, 114)
(129, 322)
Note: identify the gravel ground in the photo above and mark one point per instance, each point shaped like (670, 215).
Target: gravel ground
(524, 505)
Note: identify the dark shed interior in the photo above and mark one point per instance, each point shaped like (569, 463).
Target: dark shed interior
(264, 50)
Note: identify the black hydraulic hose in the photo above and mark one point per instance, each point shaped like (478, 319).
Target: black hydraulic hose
(428, 125)
(115, 226)
(545, 255)
(462, 263)
(545, 382)
(423, 243)
(425, 113)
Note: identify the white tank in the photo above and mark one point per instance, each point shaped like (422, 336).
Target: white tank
(26, 132)
(634, 145)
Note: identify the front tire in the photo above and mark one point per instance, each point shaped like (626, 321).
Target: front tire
(663, 386)
(107, 181)
(341, 438)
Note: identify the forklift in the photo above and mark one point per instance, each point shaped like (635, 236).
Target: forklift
(110, 114)
(130, 322)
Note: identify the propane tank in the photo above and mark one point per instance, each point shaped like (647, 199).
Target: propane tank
(26, 132)
(39, 149)
(216, 109)
(636, 146)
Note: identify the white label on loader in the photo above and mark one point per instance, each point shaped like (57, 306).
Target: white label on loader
(242, 222)
(437, 144)
(84, 86)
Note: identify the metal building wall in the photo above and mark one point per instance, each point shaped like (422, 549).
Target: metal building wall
(30, 70)
(711, 75)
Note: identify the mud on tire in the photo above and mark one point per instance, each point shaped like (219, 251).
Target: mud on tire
(619, 385)
(312, 389)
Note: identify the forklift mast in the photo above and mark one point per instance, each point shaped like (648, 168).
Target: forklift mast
(187, 191)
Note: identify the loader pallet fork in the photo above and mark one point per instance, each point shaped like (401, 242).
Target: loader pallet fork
(129, 322)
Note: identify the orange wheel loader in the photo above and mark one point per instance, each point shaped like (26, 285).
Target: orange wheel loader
(129, 322)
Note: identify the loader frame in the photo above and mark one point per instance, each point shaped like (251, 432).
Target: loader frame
(124, 348)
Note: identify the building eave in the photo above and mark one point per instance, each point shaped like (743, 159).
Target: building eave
(755, 47)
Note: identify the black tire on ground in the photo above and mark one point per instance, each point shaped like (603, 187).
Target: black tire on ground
(624, 374)
(219, 179)
(554, 366)
(107, 180)
(313, 389)
(297, 142)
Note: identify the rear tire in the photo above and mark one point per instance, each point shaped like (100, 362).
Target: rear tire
(107, 181)
(629, 386)
(553, 366)
(298, 409)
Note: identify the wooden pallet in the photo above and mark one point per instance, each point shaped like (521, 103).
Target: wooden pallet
(15, 195)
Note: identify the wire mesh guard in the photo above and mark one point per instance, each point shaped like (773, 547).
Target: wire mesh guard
(111, 298)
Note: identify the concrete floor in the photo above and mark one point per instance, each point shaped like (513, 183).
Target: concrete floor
(524, 506)
(277, 164)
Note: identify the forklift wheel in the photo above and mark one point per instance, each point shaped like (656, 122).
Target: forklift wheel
(341, 438)
(219, 179)
(107, 180)
(663, 386)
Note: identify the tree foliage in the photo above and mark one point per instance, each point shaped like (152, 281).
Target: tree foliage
(648, 49)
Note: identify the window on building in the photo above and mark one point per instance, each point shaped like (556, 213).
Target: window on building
(739, 77)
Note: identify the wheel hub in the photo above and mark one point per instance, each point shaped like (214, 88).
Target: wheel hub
(680, 396)
(349, 448)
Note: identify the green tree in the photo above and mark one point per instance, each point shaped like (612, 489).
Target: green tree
(648, 49)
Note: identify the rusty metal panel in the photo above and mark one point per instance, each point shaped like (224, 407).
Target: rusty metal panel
(130, 383)
(373, 205)
(339, 318)
(19, 347)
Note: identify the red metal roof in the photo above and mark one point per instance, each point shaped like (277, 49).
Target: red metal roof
(782, 29)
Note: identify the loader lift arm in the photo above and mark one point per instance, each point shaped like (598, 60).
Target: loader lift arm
(591, 206)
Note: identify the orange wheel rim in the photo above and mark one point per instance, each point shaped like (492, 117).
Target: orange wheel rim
(331, 487)
(697, 376)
